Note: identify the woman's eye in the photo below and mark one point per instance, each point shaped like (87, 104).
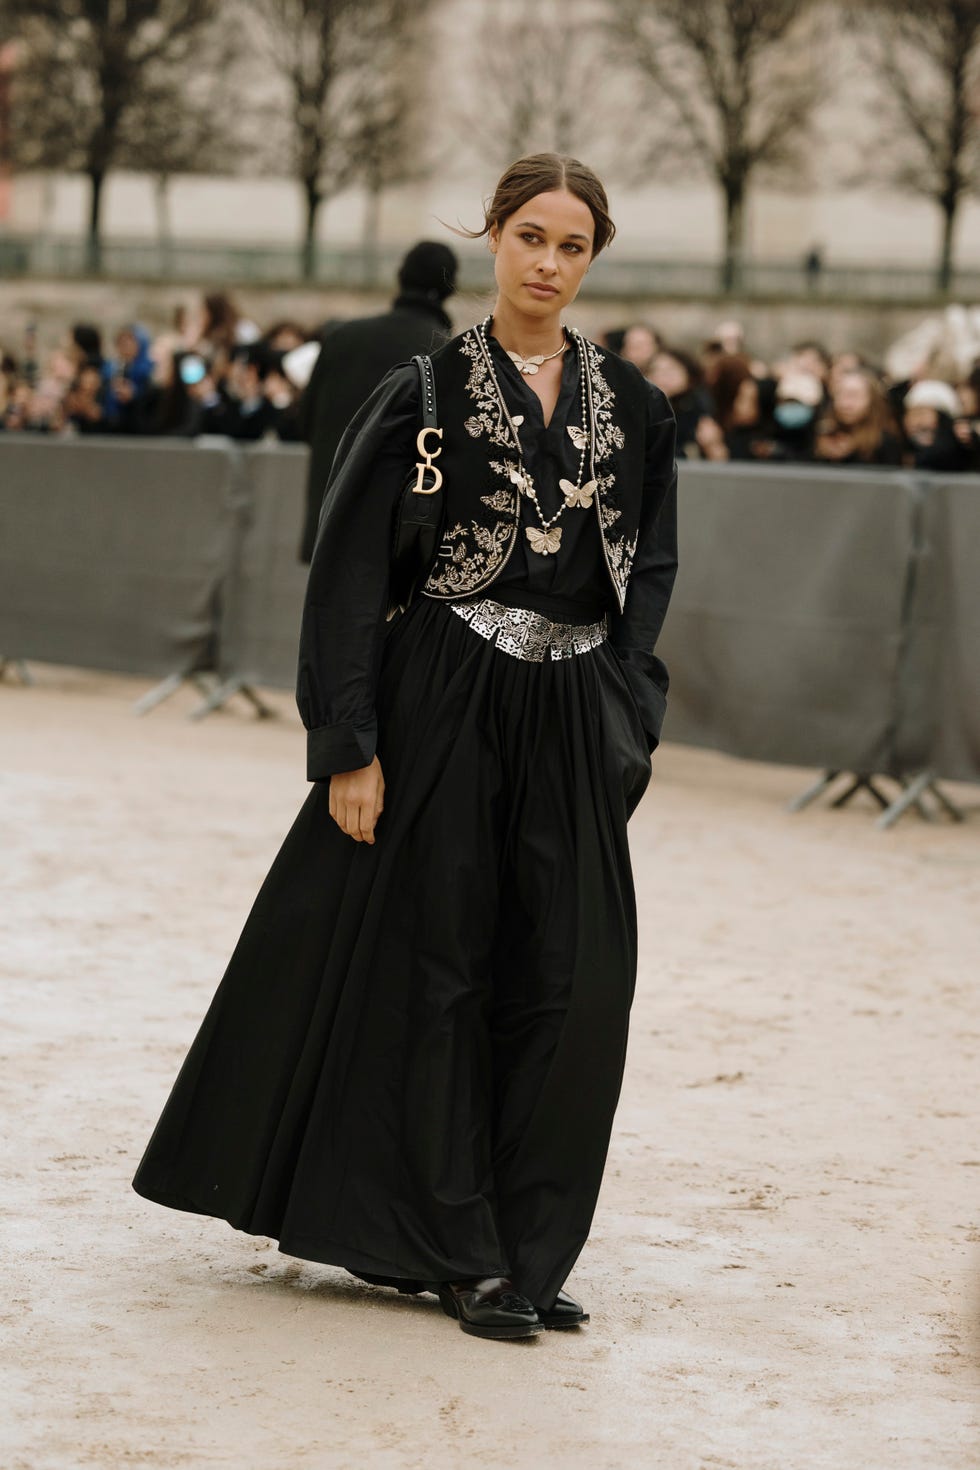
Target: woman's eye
(570, 245)
(531, 238)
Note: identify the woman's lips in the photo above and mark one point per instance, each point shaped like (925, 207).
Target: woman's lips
(540, 290)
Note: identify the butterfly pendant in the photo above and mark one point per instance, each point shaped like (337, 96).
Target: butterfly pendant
(526, 365)
(521, 479)
(545, 542)
(577, 495)
(578, 436)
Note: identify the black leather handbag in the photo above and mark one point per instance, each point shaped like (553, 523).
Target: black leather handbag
(420, 511)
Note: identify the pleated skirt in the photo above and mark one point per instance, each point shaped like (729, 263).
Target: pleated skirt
(412, 1062)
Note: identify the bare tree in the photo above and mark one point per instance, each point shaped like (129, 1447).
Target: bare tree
(527, 88)
(730, 90)
(310, 45)
(83, 67)
(338, 61)
(926, 55)
(389, 141)
(187, 124)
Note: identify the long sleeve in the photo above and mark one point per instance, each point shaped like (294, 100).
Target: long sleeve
(346, 603)
(635, 632)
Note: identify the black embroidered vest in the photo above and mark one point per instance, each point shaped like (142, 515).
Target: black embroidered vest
(478, 455)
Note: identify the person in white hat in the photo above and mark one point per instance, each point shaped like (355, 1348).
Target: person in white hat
(931, 411)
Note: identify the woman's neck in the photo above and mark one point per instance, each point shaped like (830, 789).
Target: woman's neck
(518, 332)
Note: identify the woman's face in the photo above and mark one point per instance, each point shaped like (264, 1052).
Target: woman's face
(670, 375)
(542, 251)
(640, 347)
(127, 346)
(921, 424)
(745, 409)
(852, 398)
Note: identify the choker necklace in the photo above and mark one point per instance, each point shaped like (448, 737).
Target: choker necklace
(577, 496)
(531, 364)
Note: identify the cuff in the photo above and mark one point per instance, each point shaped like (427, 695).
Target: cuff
(333, 748)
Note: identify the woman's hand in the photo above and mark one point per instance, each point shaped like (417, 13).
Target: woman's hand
(357, 800)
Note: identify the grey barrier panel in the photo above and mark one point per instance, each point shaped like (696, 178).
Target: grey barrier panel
(113, 553)
(784, 633)
(946, 665)
(264, 602)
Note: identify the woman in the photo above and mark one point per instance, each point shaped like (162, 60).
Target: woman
(679, 374)
(860, 428)
(739, 411)
(411, 1066)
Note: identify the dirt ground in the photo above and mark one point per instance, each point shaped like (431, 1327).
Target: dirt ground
(783, 1273)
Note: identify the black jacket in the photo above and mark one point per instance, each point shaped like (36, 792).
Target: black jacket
(354, 358)
(343, 627)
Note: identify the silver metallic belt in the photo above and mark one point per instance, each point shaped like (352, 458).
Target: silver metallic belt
(529, 635)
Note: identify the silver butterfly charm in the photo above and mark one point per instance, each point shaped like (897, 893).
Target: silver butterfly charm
(578, 495)
(545, 542)
(578, 436)
(521, 479)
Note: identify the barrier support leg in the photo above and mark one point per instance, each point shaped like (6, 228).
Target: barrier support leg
(18, 665)
(861, 782)
(219, 696)
(169, 686)
(812, 792)
(915, 789)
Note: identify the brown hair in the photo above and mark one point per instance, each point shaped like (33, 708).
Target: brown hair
(725, 377)
(542, 173)
(866, 435)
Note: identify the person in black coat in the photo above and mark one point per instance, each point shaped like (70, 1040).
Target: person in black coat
(356, 355)
(411, 1065)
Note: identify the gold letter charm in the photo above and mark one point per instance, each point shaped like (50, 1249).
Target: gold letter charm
(425, 463)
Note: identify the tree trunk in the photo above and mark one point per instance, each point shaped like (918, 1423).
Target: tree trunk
(93, 245)
(372, 232)
(731, 270)
(161, 199)
(313, 201)
(944, 271)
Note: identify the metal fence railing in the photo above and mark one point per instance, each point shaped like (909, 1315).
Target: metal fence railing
(353, 266)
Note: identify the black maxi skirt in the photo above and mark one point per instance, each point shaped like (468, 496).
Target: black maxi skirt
(411, 1065)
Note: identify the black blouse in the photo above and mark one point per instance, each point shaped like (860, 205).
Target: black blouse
(573, 582)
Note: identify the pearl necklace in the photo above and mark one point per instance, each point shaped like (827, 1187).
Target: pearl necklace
(579, 495)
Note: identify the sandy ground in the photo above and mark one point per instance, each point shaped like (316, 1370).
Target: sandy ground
(784, 1267)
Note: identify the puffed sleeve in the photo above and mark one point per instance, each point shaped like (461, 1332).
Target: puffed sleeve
(634, 633)
(346, 603)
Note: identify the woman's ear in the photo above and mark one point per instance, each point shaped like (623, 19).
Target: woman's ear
(493, 238)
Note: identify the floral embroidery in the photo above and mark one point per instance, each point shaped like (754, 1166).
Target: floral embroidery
(487, 419)
(608, 436)
(499, 500)
(458, 569)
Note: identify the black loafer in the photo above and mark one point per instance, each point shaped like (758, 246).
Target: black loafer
(491, 1307)
(401, 1283)
(566, 1312)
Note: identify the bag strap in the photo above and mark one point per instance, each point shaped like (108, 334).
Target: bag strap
(427, 383)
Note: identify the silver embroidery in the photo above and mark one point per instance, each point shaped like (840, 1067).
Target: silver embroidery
(529, 635)
(608, 436)
(461, 567)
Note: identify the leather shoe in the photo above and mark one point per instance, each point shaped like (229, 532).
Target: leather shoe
(489, 1307)
(566, 1312)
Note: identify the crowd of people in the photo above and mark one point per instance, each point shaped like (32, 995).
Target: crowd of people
(217, 372)
(812, 406)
